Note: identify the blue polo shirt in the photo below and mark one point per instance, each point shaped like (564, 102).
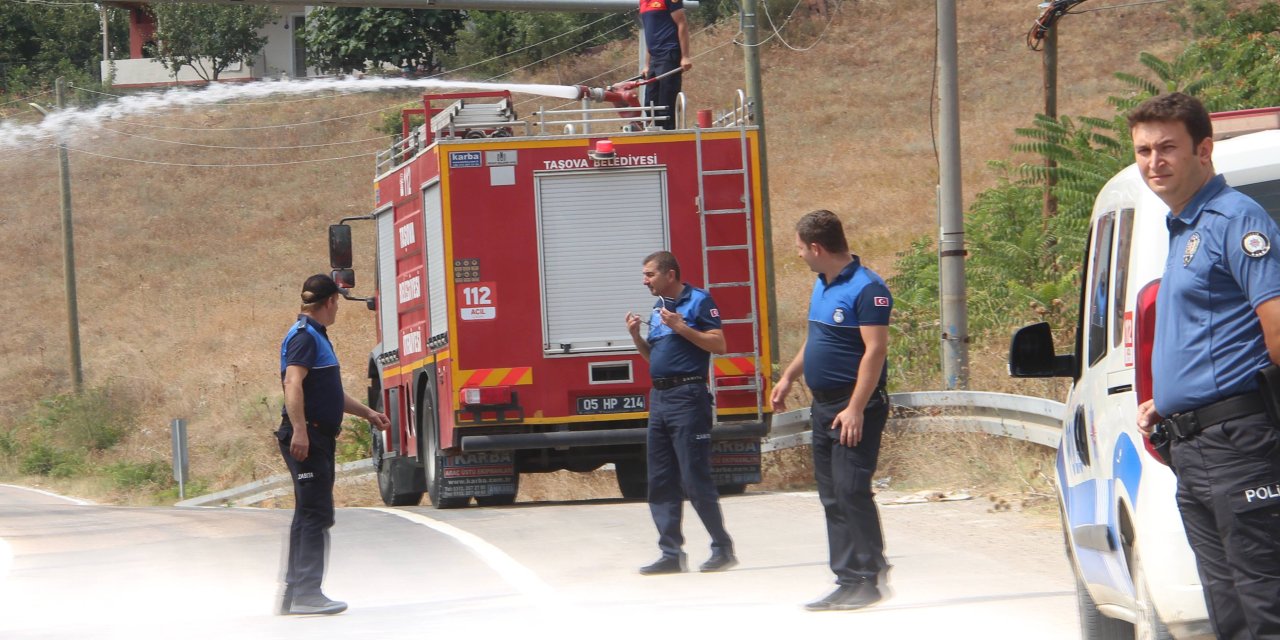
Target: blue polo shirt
(307, 345)
(660, 33)
(857, 298)
(670, 354)
(1221, 265)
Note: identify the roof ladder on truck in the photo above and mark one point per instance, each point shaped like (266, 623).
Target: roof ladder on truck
(748, 248)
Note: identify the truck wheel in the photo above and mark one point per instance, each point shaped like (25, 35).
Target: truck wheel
(731, 489)
(392, 477)
(431, 458)
(1148, 625)
(633, 479)
(503, 500)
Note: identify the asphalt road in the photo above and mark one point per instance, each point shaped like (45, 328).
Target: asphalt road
(74, 570)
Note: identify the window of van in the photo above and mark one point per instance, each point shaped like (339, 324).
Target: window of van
(1098, 299)
(1266, 194)
(1124, 242)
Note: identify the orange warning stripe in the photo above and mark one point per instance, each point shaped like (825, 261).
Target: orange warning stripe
(496, 377)
(735, 367)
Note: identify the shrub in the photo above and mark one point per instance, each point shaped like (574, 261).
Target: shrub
(95, 420)
(132, 475)
(45, 460)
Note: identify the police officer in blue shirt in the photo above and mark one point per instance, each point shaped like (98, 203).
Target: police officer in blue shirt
(314, 403)
(1217, 326)
(684, 330)
(666, 38)
(845, 366)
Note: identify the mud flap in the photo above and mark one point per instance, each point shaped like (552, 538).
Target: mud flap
(735, 462)
(479, 474)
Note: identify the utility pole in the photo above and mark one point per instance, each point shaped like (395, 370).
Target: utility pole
(1050, 63)
(68, 248)
(755, 106)
(951, 251)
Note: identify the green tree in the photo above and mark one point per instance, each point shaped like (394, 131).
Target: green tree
(39, 42)
(344, 39)
(524, 38)
(209, 37)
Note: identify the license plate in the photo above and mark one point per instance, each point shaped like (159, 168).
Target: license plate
(611, 404)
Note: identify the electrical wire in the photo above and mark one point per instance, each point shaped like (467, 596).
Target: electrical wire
(225, 166)
(1053, 11)
(219, 146)
(26, 99)
(777, 31)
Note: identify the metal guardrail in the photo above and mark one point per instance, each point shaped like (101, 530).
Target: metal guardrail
(1035, 420)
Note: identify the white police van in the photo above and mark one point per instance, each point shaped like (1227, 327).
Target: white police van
(1135, 573)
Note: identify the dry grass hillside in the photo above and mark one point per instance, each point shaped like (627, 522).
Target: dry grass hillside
(189, 274)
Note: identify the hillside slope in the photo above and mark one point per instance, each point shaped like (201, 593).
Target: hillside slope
(188, 275)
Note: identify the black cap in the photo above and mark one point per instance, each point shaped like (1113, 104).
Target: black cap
(318, 288)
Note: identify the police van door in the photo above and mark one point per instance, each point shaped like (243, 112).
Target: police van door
(1090, 435)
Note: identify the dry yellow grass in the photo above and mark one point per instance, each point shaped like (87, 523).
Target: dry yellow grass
(188, 275)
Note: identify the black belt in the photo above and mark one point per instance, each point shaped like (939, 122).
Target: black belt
(831, 395)
(1188, 423)
(663, 384)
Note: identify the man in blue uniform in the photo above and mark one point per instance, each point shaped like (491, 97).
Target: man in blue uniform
(684, 330)
(1217, 326)
(310, 421)
(666, 37)
(844, 364)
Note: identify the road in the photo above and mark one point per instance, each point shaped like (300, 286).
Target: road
(73, 570)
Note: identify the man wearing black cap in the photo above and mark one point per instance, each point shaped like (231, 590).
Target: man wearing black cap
(314, 403)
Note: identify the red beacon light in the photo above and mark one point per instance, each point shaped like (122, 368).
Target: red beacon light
(603, 150)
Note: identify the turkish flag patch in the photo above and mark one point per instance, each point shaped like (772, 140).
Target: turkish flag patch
(881, 301)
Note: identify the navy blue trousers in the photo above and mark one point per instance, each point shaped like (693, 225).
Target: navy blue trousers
(312, 511)
(843, 474)
(1229, 496)
(679, 456)
(664, 91)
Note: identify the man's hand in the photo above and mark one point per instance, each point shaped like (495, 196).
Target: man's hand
(779, 396)
(849, 422)
(300, 444)
(379, 420)
(1148, 418)
(686, 63)
(672, 319)
(633, 324)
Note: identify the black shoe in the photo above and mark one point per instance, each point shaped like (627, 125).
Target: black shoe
(665, 564)
(846, 598)
(719, 561)
(286, 601)
(315, 604)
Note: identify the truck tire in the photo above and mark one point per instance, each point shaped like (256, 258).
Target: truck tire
(391, 476)
(633, 479)
(432, 461)
(731, 489)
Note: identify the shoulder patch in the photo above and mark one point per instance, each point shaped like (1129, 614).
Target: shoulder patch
(1255, 244)
(881, 301)
(838, 316)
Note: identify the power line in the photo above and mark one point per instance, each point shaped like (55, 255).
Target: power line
(228, 166)
(218, 146)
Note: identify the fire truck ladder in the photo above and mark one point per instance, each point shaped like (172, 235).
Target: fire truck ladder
(748, 248)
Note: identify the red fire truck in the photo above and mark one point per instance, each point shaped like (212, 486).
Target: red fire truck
(508, 254)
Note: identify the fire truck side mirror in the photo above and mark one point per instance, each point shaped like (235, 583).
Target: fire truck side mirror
(340, 246)
(345, 278)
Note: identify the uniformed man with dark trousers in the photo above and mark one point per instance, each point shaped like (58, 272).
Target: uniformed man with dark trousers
(666, 38)
(844, 364)
(1217, 326)
(314, 404)
(684, 330)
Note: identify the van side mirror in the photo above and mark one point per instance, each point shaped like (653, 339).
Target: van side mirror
(1031, 354)
(340, 246)
(344, 278)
